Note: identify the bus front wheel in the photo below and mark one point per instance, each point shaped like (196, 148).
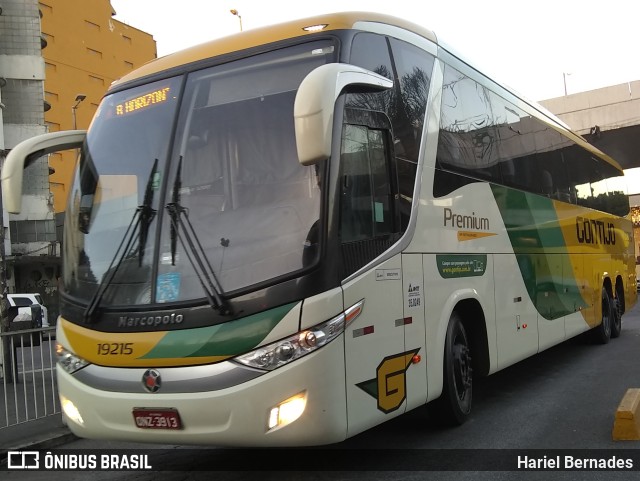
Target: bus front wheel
(454, 405)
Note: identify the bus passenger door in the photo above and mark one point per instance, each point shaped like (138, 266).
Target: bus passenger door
(375, 356)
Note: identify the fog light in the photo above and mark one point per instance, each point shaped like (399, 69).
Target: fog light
(287, 411)
(71, 411)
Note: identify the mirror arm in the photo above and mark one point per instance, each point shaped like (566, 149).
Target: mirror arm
(25, 153)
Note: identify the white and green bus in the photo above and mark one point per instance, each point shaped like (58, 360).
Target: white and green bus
(293, 234)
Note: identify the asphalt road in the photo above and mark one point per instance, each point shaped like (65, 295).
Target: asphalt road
(563, 398)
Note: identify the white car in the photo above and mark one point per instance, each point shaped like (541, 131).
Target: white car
(24, 302)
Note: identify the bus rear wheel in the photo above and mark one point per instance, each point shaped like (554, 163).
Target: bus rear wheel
(618, 310)
(454, 406)
(602, 333)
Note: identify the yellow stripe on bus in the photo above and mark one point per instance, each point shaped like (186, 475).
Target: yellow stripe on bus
(464, 235)
(123, 349)
(262, 36)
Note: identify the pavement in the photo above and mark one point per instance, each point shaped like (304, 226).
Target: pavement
(44, 433)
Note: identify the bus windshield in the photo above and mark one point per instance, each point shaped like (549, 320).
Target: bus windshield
(194, 170)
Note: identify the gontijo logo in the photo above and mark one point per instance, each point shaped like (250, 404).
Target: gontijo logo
(591, 231)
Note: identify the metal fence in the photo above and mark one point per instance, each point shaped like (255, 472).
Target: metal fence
(28, 379)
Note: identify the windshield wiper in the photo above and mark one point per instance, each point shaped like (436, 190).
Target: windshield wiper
(138, 229)
(146, 212)
(182, 229)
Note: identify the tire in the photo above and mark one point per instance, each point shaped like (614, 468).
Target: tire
(454, 405)
(602, 333)
(618, 310)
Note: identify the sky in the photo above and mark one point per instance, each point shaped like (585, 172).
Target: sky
(534, 47)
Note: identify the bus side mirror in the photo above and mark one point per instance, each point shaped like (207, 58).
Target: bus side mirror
(25, 153)
(315, 103)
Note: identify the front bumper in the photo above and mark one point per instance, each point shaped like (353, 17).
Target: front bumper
(231, 416)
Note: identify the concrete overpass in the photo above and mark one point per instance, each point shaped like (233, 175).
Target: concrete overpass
(608, 118)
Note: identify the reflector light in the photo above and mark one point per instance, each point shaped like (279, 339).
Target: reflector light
(353, 312)
(316, 28)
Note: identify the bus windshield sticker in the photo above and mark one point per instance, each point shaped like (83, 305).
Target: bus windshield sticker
(168, 287)
(451, 266)
(379, 211)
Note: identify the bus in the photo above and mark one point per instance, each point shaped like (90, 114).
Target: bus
(288, 236)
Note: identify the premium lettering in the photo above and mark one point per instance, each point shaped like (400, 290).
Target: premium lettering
(452, 219)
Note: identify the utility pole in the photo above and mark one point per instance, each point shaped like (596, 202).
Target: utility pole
(237, 14)
(564, 78)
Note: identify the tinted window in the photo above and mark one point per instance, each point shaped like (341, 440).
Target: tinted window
(595, 183)
(410, 68)
(469, 138)
(529, 151)
(367, 208)
(237, 179)
(485, 137)
(22, 301)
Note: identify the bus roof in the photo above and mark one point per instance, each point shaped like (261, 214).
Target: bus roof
(296, 28)
(266, 35)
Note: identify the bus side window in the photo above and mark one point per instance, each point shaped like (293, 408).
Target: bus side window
(597, 184)
(366, 191)
(469, 133)
(369, 219)
(405, 105)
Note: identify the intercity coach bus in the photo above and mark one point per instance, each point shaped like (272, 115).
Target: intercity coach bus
(293, 234)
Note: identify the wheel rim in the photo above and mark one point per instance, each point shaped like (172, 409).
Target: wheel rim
(462, 368)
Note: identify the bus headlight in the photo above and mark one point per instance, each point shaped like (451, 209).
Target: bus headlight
(68, 360)
(277, 354)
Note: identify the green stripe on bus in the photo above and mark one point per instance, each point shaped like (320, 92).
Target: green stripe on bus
(228, 339)
(543, 258)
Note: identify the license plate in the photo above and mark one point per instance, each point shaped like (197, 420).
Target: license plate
(158, 418)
